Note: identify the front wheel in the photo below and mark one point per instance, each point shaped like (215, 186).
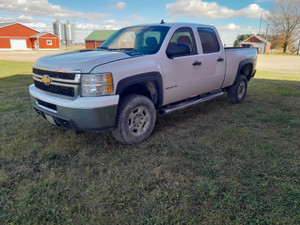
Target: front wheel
(136, 119)
(237, 92)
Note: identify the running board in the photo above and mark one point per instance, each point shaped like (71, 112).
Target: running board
(189, 102)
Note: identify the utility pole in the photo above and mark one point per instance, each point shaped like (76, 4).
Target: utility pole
(260, 24)
(299, 47)
(267, 31)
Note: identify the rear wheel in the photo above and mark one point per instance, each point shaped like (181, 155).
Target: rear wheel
(237, 92)
(136, 119)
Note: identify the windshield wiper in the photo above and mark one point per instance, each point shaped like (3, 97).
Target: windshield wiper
(128, 49)
(123, 49)
(103, 47)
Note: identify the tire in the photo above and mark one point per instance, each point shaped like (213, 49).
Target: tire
(237, 92)
(136, 119)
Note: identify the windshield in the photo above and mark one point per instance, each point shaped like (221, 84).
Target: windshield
(144, 39)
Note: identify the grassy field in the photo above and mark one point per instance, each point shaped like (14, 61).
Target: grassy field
(214, 163)
(11, 68)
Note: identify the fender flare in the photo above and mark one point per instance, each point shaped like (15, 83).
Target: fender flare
(142, 78)
(242, 64)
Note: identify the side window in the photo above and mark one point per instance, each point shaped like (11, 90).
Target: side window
(184, 35)
(209, 40)
(149, 42)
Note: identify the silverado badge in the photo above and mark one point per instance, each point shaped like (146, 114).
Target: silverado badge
(46, 80)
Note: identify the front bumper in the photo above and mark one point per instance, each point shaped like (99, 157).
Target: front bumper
(80, 114)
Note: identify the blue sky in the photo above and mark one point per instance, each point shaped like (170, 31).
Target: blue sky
(230, 17)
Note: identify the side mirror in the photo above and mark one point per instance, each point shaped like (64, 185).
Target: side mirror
(179, 50)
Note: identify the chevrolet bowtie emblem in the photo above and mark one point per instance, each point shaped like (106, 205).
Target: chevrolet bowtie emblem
(46, 80)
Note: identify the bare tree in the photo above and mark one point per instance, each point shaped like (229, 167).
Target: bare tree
(284, 21)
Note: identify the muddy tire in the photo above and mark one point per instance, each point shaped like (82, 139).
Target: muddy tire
(237, 92)
(136, 119)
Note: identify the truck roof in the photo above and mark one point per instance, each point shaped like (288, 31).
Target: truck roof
(175, 25)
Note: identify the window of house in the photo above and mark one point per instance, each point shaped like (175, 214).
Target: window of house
(49, 42)
(209, 40)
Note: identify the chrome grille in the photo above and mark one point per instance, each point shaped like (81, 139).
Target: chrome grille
(54, 74)
(63, 83)
(56, 89)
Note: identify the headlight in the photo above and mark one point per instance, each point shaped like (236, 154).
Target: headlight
(97, 84)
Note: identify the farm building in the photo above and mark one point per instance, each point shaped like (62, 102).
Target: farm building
(257, 42)
(15, 36)
(97, 37)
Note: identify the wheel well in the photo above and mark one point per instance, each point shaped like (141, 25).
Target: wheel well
(146, 88)
(247, 70)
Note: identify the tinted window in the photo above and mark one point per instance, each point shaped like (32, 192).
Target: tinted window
(184, 35)
(209, 40)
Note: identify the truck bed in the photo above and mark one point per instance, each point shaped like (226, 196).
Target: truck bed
(234, 48)
(234, 56)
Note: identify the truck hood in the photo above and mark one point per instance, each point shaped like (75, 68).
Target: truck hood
(83, 61)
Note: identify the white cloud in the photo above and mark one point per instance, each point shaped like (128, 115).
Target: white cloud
(109, 22)
(136, 17)
(105, 25)
(210, 10)
(263, 1)
(229, 27)
(253, 11)
(42, 8)
(20, 19)
(230, 31)
(169, 21)
(250, 30)
(120, 5)
(198, 8)
(95, 15)
(25, 19)
(42, 27)
(237, 28)
(115, 23)
(83, 30)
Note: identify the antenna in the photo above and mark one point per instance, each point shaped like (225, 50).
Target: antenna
(162, 21)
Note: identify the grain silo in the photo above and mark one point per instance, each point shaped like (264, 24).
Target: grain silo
(69, 33)
(58, 29)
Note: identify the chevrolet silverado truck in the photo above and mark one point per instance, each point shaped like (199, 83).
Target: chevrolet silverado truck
(138, 72)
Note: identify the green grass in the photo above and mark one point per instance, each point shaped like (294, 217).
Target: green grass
(214, 163)
(8, 68)
(284, 75)
(289, 53)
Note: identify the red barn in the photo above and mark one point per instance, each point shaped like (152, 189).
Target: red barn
(15, 36)
(257, 42)
(44, 41)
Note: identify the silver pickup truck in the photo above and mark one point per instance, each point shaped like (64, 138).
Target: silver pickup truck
(139, 71)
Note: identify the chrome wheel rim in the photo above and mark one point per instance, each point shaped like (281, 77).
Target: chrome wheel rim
(241, 90)
(139, 120)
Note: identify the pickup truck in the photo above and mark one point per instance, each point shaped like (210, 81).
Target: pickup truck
(138, 72)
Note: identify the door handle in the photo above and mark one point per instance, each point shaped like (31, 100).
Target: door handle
(196, 63)
(220, 59)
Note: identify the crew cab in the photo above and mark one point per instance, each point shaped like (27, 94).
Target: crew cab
(138, 72)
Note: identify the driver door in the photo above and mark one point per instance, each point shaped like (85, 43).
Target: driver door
(181, 72)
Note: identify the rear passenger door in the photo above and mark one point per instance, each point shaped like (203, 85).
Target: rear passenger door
(212, 58)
